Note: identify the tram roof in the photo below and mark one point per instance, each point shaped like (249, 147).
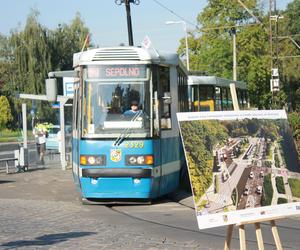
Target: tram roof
(129, 54)
(214, 80)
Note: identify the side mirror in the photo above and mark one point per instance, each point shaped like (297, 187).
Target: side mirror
(51, 89)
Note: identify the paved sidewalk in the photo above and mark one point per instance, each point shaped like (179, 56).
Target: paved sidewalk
(40, 209)
(52, 184)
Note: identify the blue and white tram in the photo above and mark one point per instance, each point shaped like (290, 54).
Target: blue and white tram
(117, 155)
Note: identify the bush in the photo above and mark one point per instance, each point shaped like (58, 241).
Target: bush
(282, 201)
(280, 185)
(5, 112)
(268, 191)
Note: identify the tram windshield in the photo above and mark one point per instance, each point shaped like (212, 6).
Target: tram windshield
(115, 103)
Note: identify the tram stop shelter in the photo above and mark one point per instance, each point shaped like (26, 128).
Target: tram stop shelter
(64, 101)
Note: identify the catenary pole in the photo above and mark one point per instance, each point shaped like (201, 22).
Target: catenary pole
(128, 14)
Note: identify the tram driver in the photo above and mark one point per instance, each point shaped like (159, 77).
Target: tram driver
(134, 109)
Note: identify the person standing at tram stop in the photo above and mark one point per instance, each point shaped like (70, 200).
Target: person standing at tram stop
(134, 109)
(40, 133)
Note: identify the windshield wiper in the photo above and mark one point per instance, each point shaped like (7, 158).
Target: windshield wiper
(127, 131)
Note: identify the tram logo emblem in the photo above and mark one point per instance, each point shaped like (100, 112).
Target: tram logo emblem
(115, 155)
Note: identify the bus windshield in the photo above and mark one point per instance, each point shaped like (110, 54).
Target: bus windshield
(112, 107)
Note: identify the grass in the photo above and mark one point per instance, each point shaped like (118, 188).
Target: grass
(276, 159)
(7, 135)
(268, 151)
(268, 191)
(295, 187)
(280, 184)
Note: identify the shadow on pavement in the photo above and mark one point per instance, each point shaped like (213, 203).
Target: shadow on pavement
(48, 239)
(3, 182)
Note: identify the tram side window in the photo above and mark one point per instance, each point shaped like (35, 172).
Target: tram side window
(230, 102)
(182, 91)
(206, 94)
(240, 96)
(195, 104)
(225, 103)
(164, 78)
(75, 103)
(244, 98)
(218, 99)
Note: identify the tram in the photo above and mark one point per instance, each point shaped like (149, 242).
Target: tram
(211, 93)
(126, 143)
(120, 151)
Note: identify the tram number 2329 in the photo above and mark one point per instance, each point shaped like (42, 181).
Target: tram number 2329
(135, 144)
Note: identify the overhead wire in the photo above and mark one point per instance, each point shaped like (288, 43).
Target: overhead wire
(258, 22)
(175, 14)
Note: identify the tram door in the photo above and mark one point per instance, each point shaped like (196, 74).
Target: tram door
(166, 144)
(76, 136)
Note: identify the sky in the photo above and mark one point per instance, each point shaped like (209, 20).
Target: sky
(107, 21)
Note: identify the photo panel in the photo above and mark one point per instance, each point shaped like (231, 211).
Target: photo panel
(243, 166)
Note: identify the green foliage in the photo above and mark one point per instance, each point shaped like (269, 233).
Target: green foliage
(27, 55)
(268, 164)
(31, 55)
(268, 151)
(289, 151)
(277, 162)
(199, 139)
(65, 41)
(282, 201)
(294, 121)
(234, 196)
(210, 50)
(5, 112)
(268, 191)
(7, 135)
(280, 184)
(254, 63)
(269, 129)
(289, 65)
(295, 187)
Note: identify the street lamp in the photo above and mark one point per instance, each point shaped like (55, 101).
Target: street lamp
(186, 40)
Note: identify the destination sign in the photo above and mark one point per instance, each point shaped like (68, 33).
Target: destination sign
(117, 71)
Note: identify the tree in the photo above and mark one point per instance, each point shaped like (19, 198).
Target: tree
(30, 63)
(211, 46)
(254, 63)
(27, 55)
(5, 112)
(65, 41)
(31, 55)
(289, 26)
(5, 59)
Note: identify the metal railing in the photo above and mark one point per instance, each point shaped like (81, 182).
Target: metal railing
(6, 160)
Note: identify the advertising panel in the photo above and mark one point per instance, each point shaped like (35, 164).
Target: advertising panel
(243, 166)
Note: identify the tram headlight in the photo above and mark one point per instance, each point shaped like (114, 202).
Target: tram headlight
(139, 160)
(93, 160)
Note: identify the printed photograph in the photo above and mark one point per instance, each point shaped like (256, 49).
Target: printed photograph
(241, 163)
